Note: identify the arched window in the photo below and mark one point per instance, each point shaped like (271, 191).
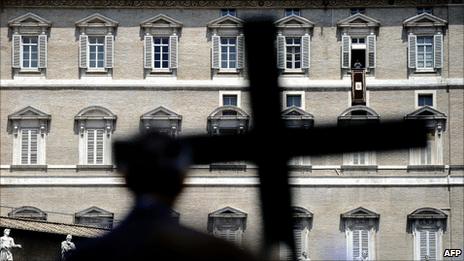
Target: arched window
(28, 212)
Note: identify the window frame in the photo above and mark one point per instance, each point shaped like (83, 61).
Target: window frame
(97, 44)
(424, 46)
(225, 93)
(417, 93)
(302, 94)
(228, 46)
(30, 52)
(293, 60)
(161, 53)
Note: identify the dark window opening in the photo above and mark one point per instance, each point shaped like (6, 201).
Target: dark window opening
(294, 100)
(357, 11)
(421, 10)
(358, 59)
(228, 11)
(425, 100)
(229, 100)
(292, 11)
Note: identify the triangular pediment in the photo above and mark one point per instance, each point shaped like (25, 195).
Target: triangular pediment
(424, 19)
(296, 111)
(358, 20)
(160, 112)
(29, 19)
(96, 20)
(29, 113)
(293, 21)
(227, 21)
(360, 212)
(94, 211)
(161, 20)
(228, 212)
(426, 112)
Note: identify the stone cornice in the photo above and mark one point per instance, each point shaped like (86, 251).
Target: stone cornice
(223, 3)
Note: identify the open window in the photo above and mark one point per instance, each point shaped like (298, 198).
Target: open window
(96, 45)
(360, 226)
(95, 126)
(435, 122)
(302, 224)
(162, 120)
(95, 217)
(30, 128)
(29, 45)
(228, 223)
(358, 42)
(28, 212)
(427, 226)
(161, 35)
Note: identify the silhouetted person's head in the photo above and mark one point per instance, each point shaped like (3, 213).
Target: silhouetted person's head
(153, 164)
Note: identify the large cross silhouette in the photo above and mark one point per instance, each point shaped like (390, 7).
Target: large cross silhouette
(270, 145)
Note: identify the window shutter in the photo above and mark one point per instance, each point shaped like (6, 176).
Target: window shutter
(42, 51)
(215, 52)
(109, 51)
(423, 244)
(16, 52)
(148, 52)
(356, 241)
(33, 147)
(371, 46)
(346, 51)
(298, 233)
(173, 42)
(432, 245)
(24, 146)
(281, 52)
(438, 50)
(412, 60)
(99, 146)
(90, 146)
(364, 242)
(240, 52)
(305, 51)
(83, 51)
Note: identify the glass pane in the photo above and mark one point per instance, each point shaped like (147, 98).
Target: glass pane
(100, 63)
(157, 64)
(165, 64)
(165, 57)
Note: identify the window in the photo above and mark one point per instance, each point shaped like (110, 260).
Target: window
(228, 223)
(292, 11)
(161, 40)
(95, 217)
(96, 44)
(302, 223)
(293, 100)
(427, 226)
(29, 127)
(29, 44)
(360, 227)
(96, 52)
(424, 52)
(228, 11)
(28, 212)
(421, 10)
(228, 52)
(229, 99)
(95, 126)
(425, 100)
(293, 50)
(162, 120)
(357, 11)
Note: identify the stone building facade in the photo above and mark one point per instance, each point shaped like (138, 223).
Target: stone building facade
(77, 75)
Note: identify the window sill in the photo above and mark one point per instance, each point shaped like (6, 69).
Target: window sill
(29, 70)
(228, 71)
(227, 166)
(102, 70)
(28, 167)
(165, 71)
(440, 168)
(94, 167)
(360, 167)
(293, 71)
(427, 70)
(301, 167)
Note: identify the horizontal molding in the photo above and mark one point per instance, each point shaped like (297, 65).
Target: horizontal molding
(230, 84)
(239, 181)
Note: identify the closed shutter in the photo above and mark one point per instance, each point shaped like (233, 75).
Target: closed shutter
(438, 50)
(91, 146)
(364, 242)
(281, 52)
(305, 51)
(215, 52)
(29, 146)
(298, 235)
(24, 146)
(432, 245)
(240, 52)
(95, 147)
(109, 51)
(173, 43)
(16, 51)
(371, 46)
(42, 51)
(229, 235)
(356, 244)
(99, 146)
(346, 51)
(148, 52)
(412, 59)
(428, 245)
(83, 39)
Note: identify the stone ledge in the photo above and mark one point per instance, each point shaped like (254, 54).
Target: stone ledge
(227, 166)
(360, 167)
(94, 167)
(28, 167)
(440, 168)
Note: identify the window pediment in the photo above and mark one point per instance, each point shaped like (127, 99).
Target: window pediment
(96, 20)
(28, 212)
(360, 213)
(424, 20)
(434, 118)
(224, 22)
(92, 116)
(228, 117)
(358, 112)
(293, 21)
(29, 116)
(296, 117)
(228, 212)
(227, 218)
(29, 20)
(299, 212)
(94, 212)
(358, 20)
(359, 218)
(161, 117)
(427, 218)
(161, 21)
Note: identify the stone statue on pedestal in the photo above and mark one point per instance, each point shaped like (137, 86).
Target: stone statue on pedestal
(6, 244)
(66, 247)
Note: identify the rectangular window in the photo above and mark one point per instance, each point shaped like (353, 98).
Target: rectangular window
(228, 11)
(293, 48)
(228, 52)
(425, 100)
(95, 146)
(360, 158)
(424, 52)
(161, 52)
(292, 11)
(421, 10)
(357, 11)
(425, 154)
(293, 100)
(360, 244)
(96, 52)
(358, 40)
(29, 146)
(30, 47)
(229, 99)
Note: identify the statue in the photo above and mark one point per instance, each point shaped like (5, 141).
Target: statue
(6, 244)
(357, 65)
(304, 256)
(66, 247)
